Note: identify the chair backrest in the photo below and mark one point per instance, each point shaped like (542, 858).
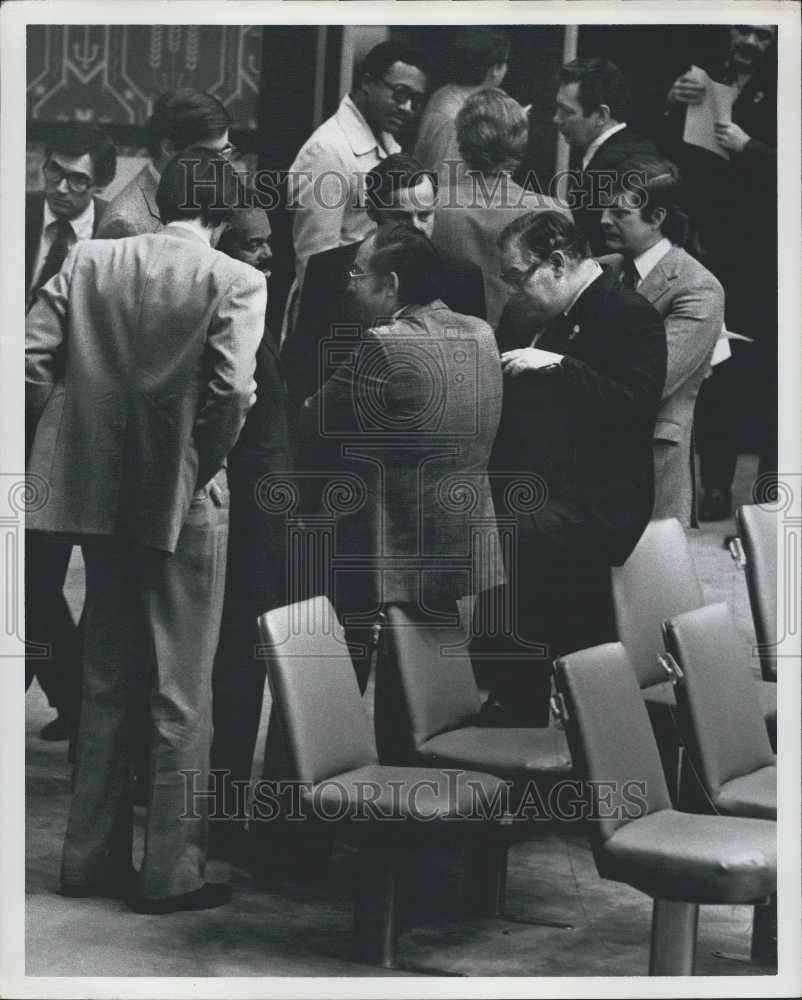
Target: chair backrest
(758, 530)
(432, 671)
(657, 582)
(312, 680)
(610, 736)
(717, 697)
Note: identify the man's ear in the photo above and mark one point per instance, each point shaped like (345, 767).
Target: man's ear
(393, 284)
(603, 112)
(167, 148)
(658, 217)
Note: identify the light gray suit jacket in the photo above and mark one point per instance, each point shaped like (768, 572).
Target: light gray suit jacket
(139, 362)
(691, 302)
(410, 421)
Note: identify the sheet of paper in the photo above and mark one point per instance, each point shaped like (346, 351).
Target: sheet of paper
(716, 108)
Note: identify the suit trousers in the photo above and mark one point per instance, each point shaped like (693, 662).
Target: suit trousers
(53, 641)
(152, 624)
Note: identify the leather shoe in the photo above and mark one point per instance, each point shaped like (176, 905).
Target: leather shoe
(117, 885)
(716, 505)
(208, 897)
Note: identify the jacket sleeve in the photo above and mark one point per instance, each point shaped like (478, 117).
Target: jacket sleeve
(232, 341)
(320, 189)
(46, 338)
(692, 328)
(632, 379)
(115, 227)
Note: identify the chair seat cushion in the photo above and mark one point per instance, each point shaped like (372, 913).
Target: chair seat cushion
(381, 803)
(767, 696)
(753, 794)
(511, 753)
(698, 859)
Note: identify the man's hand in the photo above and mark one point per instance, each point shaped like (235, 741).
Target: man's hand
(525, 359)
(686, 89)
(731, 137)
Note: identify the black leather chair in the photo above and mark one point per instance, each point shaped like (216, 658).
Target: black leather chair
(343, 790)
(657, 582)
(756, 549)
(680, 859)
(734, 768)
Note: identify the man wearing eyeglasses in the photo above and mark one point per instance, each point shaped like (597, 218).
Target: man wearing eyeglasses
(79, 161)
(326, 183)
(181, 119)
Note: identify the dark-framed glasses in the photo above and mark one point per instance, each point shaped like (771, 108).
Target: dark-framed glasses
(355, 274)
(77, 183)
(403, 95)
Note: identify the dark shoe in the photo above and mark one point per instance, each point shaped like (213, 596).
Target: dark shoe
(117, 885)
(716, 505)
(208, 897)
(55, 731)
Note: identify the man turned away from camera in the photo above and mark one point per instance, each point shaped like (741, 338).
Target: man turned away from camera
(140, 356)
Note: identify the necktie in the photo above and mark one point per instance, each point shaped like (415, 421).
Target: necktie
(55, 256)
(629, 274)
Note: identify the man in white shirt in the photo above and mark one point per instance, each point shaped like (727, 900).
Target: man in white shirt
(79, 160)
(593, 103)
(644, 227)
(326, 184)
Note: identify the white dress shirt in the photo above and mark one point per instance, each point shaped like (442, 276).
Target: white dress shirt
(650, 258)
(82, 226)
(599, 141)
(326, 184)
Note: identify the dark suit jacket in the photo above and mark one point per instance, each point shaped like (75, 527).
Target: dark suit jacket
(588, 188)
(323, 305)
(139, 361)
(34, 216)
(586, 427)
(401, 437)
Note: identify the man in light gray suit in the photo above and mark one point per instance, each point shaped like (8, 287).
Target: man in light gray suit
(644, 225)
(410, 417)
(140, 356)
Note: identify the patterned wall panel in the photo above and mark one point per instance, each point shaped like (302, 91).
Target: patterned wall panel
(114, 73)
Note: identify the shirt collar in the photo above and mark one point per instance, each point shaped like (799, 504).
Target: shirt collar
(179, 228)
(361, 137)
(82, 225)
(591, 150)
(594, 274)
(650, 258)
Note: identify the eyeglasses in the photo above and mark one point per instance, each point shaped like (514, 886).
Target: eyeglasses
(403, 95)
(229, 151)
(76, 182)
(356, 275)
(517, 279)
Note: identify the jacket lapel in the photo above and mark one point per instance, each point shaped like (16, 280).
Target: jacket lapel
(658, 280)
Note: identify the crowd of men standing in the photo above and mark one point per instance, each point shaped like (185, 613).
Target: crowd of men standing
(480, 392)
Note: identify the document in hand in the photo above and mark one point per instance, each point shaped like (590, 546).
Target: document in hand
(716, 108)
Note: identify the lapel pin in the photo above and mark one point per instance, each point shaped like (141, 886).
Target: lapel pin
(574, 332)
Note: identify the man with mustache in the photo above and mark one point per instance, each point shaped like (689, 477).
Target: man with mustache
(733, 203)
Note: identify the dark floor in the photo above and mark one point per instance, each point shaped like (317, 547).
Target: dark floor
(301, 930)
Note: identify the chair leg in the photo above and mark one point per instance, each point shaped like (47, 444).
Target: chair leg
(376, 907)
(486, 878)
(764, 933)
(673, 947)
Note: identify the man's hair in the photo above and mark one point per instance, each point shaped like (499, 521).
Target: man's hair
(600, 82)
(198, 183)
(187, 118)
(656, 183)
(413, 257)
(492, 131)
(382, 56)
(541, 233)
(79, 138)
(474, 51)
(394, 173)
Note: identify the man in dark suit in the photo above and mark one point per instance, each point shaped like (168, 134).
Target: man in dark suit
(259, 467)
(406, 423)
(579, 412)
(398, 189)
(593, 102)
(80, 160)
(139, 358)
